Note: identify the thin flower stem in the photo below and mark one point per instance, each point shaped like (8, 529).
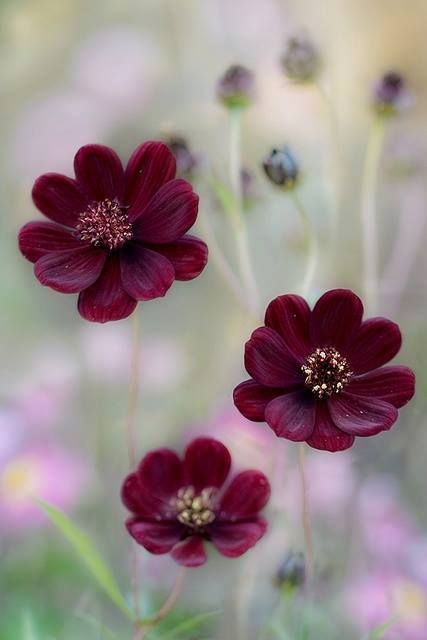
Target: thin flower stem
(243, 254)
(165, 609)
(313, 247)
(368, 213)
(308, 539)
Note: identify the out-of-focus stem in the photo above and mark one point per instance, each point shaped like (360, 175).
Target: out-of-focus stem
(368, 213)
(243, 254)
(312, 242)
(308, 539)
(165, 609)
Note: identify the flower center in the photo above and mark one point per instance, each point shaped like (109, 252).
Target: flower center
(105, 224)
(326, 372)
(195, 511)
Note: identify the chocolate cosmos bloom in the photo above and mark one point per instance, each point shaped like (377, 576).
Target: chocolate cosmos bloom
(318, 376)
(115, 235)
(178, 505)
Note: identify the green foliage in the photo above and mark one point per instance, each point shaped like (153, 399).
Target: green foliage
(88, 554)
(380, 631)
(186, 626)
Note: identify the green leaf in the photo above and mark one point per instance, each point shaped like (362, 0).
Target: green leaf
(89, 555)
(225, 197)
(379, 632)
(28, 628)
(185, 626)
(99, 626)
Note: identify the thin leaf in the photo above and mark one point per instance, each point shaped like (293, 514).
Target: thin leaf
(379, 632)
(99, 626)
(225, 197)
(28, 629)
(89, 555)
(186, 625)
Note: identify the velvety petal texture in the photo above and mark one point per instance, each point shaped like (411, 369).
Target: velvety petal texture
(115, 236)
(165, 495)
(318, 376)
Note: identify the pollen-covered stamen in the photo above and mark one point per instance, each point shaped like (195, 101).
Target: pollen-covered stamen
(326, 372)
(195, 511)
(105, 224)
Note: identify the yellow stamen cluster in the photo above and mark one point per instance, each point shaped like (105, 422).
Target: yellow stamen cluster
(195, 511)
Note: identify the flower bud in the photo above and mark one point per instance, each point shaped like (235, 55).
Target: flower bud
(292, 571)
(300, 59)
(281, 168)
(236, 87)
(186, 160)
(391, 94)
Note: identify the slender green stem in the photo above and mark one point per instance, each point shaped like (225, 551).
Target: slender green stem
(165, 609)
(312, 242)
(368, 213)
(243, 254)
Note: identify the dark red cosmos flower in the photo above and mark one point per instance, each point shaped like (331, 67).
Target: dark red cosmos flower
(116, 235)
(178, 505)
(318, 376)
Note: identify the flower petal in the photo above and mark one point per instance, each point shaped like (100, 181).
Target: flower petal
(60, 198)
(145, 274)
(377, 342)
(70, 271)
(289, 315)
(99, 171)
(36, 239)
(234, 539)
(190, 552)
(252, 398)
(160, 473)
(326, 436)
(292, 416)
(156, 537)
(106, 299)
(361, 416)
(169, 214)
(188, 256)
(151, 165)
(207, 463)
(141, 502)
(269, 361)
(395, 385)
(336, 318)
(247, 494)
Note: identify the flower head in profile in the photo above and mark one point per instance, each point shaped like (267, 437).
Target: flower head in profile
(178, 505)
(318, 375)
(115, 236)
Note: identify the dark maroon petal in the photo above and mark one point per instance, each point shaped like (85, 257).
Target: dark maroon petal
(156, 537)
(292, 416)
(247, 494)
(145, 274)
(70, 271)
(170, 214)
(361, 416)
(190, 552)
(234, 539)
(395, 385)
(60, 198)
(151, 165)
(336, 318)
(377, 342)
(269, 361)
(99, 171)
(141, 502)
(326, 436)
(188, 256)
(161, 473)
(289, 315)
(252, 398)
(36, 239)
(106, 299)
(207, 463)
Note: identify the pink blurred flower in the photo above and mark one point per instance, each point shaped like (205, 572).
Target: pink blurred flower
(48, 473)
(387, 530)
(378, 598)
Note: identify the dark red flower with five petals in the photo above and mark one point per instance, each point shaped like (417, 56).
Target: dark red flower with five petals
(177, 505)
(116, 235)
(318, 376)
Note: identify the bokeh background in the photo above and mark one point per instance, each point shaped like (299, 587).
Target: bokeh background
(118, 73)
